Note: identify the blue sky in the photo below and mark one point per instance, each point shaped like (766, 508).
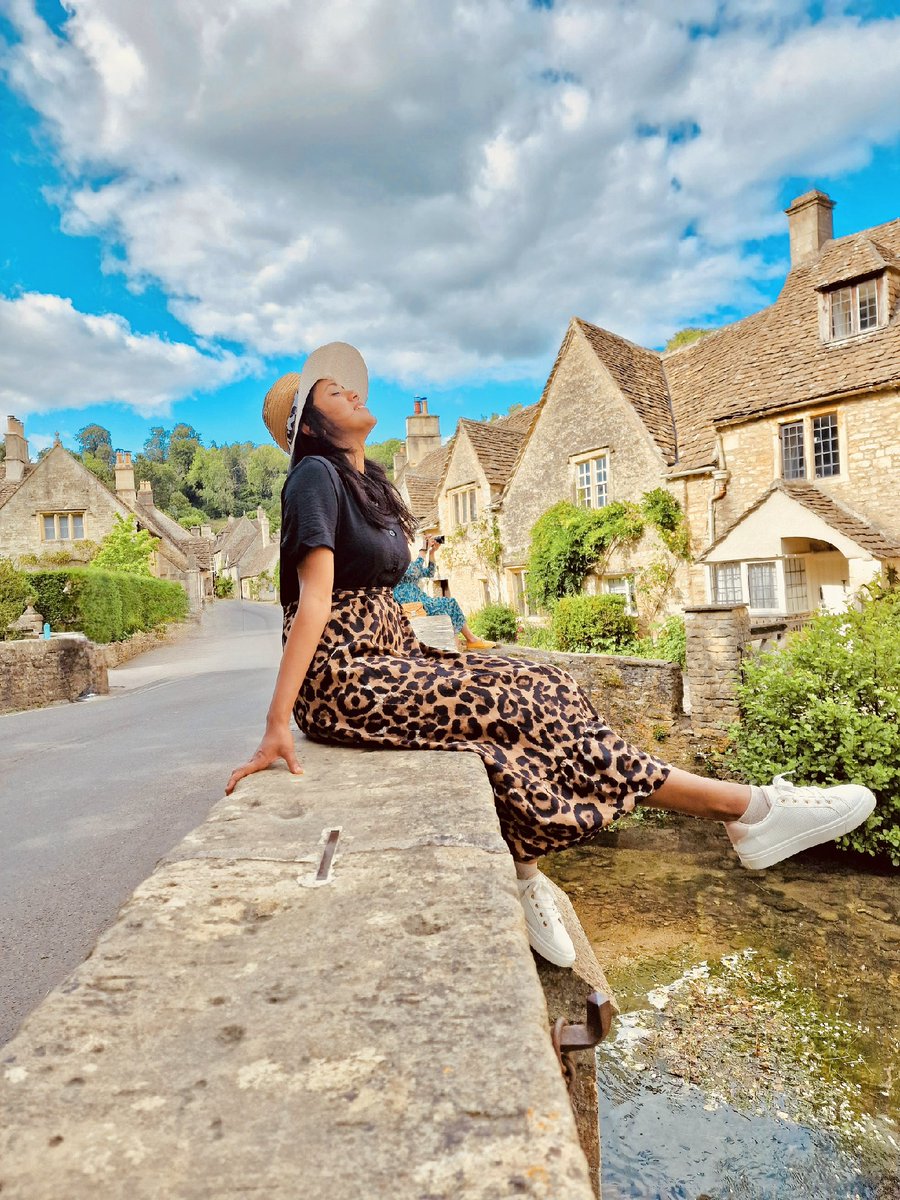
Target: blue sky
(181, 228)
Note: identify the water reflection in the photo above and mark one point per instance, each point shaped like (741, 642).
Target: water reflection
(774, 1077)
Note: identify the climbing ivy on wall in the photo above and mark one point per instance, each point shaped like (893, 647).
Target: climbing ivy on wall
(567, 541)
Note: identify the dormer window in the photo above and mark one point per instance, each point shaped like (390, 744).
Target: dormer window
(854, 309)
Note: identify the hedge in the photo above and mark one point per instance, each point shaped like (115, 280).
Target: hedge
(107, 606)
(496, 622)
(593, 624)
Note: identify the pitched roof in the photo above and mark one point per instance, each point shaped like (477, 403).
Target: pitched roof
(258, 559)
(422, 480)
(497, 443)
(639, 375)
(775, 359)
(7, 487)
(235, 538)
(869, 538)
(201, 548)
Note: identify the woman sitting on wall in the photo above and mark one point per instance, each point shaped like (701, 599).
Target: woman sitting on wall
(353, 673)
(408, 592)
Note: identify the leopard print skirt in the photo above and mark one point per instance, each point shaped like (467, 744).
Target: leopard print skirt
(557, 771)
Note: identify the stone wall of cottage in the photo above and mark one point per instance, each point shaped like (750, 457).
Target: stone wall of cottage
(869, 441)
(465, 577)
(57, 484)
(583, 411)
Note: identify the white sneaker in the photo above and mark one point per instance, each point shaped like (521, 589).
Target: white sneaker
(799, 817)
(546, 932)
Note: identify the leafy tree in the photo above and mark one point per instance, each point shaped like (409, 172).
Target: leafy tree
(266, 468)
(184, 442)
(126, 548)
(97, 441)
(162, 477)
(156, 447)
(100, 467)
(383, 453)
(211, 478)
(684, 337)
(567, 541)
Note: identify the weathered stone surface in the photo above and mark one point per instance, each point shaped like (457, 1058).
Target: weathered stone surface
(237, 1030)
(34, 673)
(717, 639)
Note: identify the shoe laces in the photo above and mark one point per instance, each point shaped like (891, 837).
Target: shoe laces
(789, 793)
(543, 899)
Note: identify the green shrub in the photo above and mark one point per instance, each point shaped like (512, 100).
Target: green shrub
(107, 606)
(126, 548)
(496, 622)
(671, 641)
(566, 541)
(825, 707)
(224, 587)
(539, 636)
(14, 595)
(593, 624)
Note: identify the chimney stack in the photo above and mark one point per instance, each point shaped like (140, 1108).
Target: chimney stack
(263, 522)
(16, 450)
(423, 432)
(125, 478)
(145, 493)
(810, 225)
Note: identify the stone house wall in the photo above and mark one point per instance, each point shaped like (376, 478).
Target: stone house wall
(465, 578)
(56, 484)
(583, 410)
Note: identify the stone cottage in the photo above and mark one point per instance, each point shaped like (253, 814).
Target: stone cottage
(779, 435)
(245, 552)
(56, 503)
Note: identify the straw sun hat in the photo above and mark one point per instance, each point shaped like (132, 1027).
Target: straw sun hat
(338, 361)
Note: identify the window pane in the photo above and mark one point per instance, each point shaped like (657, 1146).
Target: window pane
(727, 584)
(583, 485)
(868, 305)
(78, 526)
(49, 529)
(842, 313)
(63, 525)
(826, 457)
(793, 458)
(472, 506)
(795, 588)
(600, 480)
(456, 520)
(761, 585)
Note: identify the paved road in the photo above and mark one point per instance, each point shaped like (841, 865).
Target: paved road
(93, 794)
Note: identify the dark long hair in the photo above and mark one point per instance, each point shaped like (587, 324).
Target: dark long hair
(376, 496)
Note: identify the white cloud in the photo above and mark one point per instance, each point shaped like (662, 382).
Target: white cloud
(446, 182)
(52, 356)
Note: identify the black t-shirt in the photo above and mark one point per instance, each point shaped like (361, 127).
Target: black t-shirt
(317, 509)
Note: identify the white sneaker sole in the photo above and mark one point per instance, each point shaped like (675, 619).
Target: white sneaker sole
(861, 811)
(550, 952)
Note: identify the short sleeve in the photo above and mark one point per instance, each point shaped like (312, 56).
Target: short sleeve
(310, 509)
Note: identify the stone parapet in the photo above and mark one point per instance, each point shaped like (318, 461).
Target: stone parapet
(247, 1027)
(37, 672)
(717, 640)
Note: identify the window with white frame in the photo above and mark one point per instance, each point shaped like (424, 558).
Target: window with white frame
(520, 602)
(62, 527)
(796, 591)
(761, 586)
(810, 442)
(853, 309)
(726, 583)
(465, 506)
(622, 585)
(591, 480)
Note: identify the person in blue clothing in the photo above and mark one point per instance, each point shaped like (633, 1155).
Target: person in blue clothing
(408, 591)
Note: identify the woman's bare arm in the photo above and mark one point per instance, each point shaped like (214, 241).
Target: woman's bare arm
(316, 575)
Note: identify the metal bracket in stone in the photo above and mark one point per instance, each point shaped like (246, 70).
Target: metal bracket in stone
(568, 1038)
(323, 875)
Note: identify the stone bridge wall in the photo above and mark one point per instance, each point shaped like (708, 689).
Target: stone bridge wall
(35, 672)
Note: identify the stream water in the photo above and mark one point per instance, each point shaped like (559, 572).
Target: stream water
(756, 1056)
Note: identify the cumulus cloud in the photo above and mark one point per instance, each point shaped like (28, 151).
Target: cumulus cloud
(53, 356)
(446, 182)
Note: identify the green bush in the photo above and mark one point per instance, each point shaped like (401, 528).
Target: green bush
(14, 595)
(566, 541)
(496, 622)
(593, 624)
(107, 606)
(671, 641)
(539, 636)
(224, 587)
(825, 707)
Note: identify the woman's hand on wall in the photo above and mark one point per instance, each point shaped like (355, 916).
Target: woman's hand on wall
(277, 742)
